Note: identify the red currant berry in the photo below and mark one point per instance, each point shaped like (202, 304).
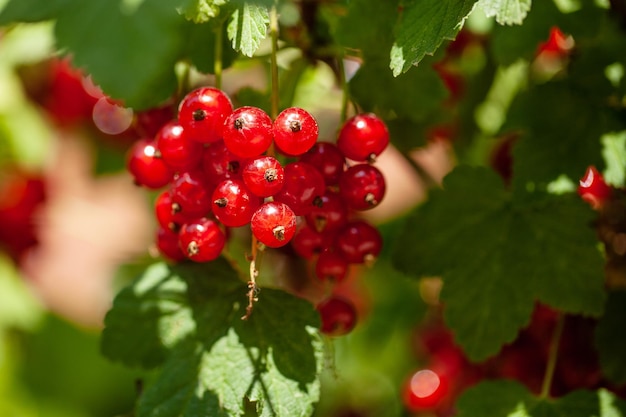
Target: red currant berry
(167, 244)
(166, 212)
(331, 267)
(424, 390)
(295, 131)
(191, 195)
(328, 159)
(308, 243)
(247, 132)
(338, 316)
(176, 150)
(220, 164)
(264, 176)
(273, 224)
(363, 137)
(362, 187)
(359, 242)
(201, 240)
(146, 165)
(593, 189)
(233, 203)
(202, 113)
(331, 215)
(302, 189)
(149, 122)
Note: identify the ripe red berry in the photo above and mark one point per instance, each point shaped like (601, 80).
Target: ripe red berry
(424, 390)
(330, 266)
(328, 160)
(201, 240)
(264, 176)
(149, 122)
(167, 244)
(247, 132)
(338, 316)
(593, 189)
(166, 213)
(295, 131)
(202, 113)
(307, 242)
(359, 242)
(273, 224)
(233, 203)
(302, 189)
(220, 164)
(145, 164)
(191, 195)
(363, 137)
(331, 214)
(176, 149)
(362, 187)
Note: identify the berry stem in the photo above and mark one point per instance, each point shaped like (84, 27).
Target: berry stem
(274, 61)
(552, 357)
(217, 60)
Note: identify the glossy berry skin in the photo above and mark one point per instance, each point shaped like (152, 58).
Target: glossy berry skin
(219, 164)
(593, 189)
(425, 390)
(363, 137)
(191, 194)
(330, 215)
(264, 176)
(330, 266)
(166, 214)
(328, 160)
(177, 151)
(307, 242)
(167, 245)
(362, 187)
(201, 240)
(202, 113)
(247, 132)
(146, 165)
(273, 224)
(302, 189)
(295, 131)
(233, 204)
(359, 242)
(338, 316)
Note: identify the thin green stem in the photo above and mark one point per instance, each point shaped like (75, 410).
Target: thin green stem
(274, 61)
(552, 357)
(217, 60)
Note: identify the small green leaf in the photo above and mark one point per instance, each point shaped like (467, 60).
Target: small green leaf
(201, 11)
(423, 26)
(485, 242)
(507, 12)
(611, 339)
(248, 27)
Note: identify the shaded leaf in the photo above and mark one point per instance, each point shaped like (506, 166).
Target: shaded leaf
(611, 339)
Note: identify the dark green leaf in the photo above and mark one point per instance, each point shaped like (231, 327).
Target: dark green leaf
(423, 26)
(147, 319)
(200, 47)
(248, 27)
(34, 10)
(611, 338)
(130, 53)
(485, 242)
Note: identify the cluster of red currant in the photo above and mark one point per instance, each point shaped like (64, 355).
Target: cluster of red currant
(226, 168)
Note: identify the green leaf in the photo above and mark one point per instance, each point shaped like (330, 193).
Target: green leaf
(213, 360)
(142, 71)
(611, 340)
(147, 319)
(503, 398)
(554, 143)
(507, 12)
(201, 11)
(485, 242)
(33, 10)
(200, 47)
(248, 27)
(423, 26)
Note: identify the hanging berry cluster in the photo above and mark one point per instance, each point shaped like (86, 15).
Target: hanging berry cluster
(221, 170)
